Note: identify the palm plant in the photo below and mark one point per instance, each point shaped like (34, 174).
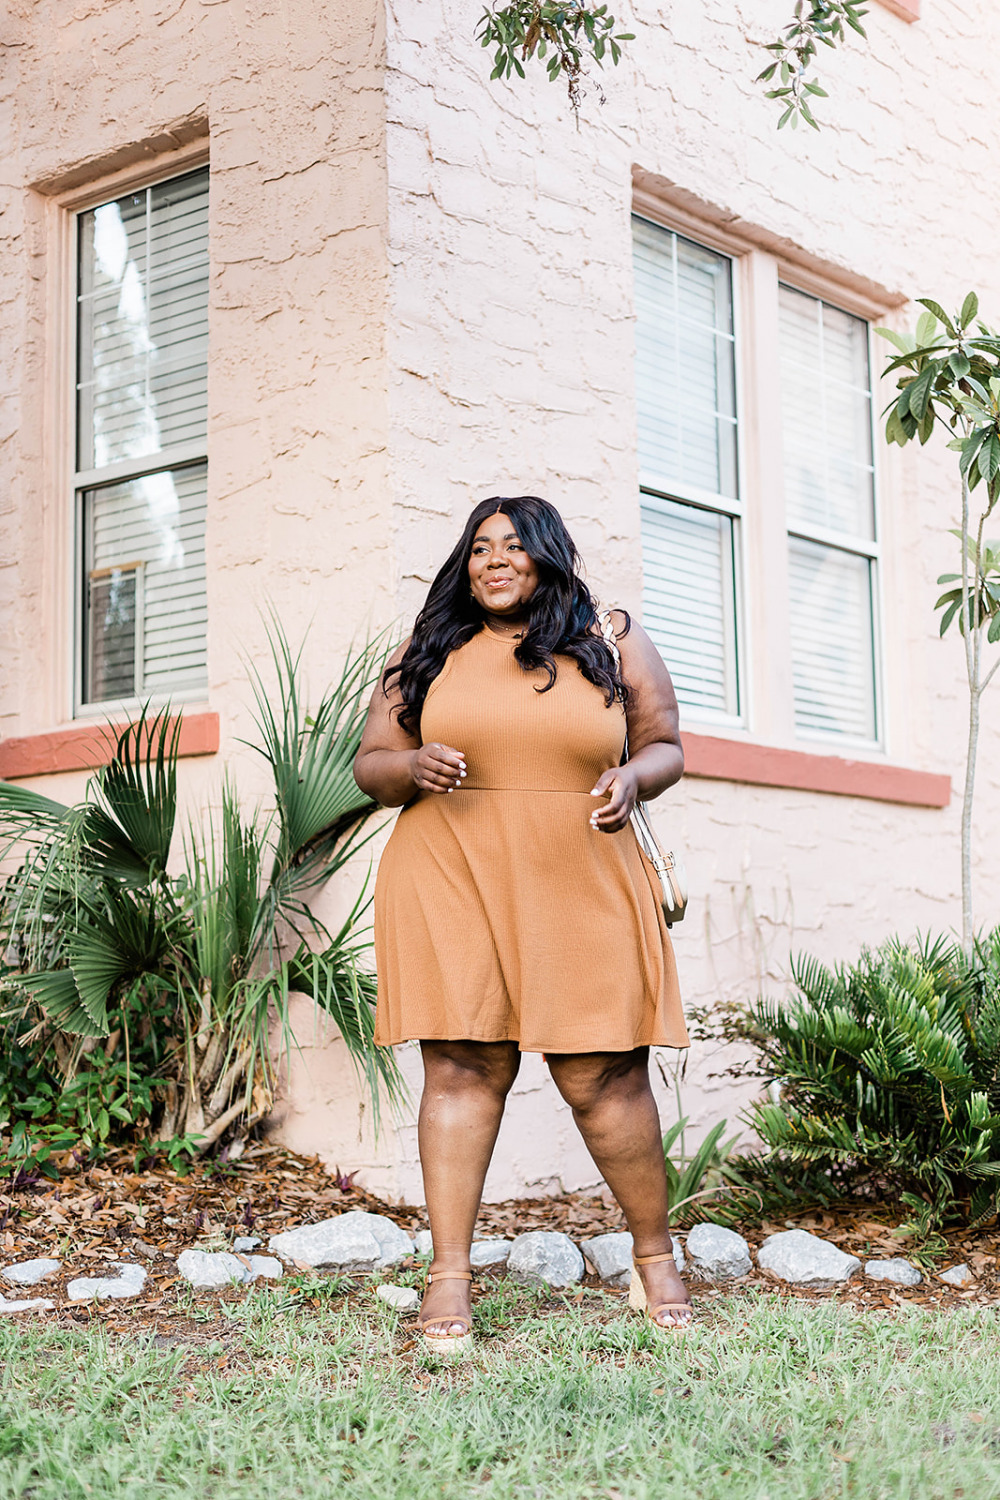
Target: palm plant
(887, 1075)
(104, 943)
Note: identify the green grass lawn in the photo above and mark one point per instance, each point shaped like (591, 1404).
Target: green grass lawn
(271, 1395)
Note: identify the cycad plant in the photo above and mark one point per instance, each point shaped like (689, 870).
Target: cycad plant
(181, 980)
(888, 1078)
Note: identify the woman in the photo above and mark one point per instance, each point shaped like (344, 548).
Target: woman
(513, 912)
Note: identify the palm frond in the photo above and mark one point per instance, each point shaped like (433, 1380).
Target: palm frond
(135, 796)
(319, 804)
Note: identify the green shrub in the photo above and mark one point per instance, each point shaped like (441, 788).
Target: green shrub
(140, 1005)
(885, 1079)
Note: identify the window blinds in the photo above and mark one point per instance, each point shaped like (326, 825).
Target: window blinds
(686, 410)
(687, 601)
(143, 346)
(153, 527)
(143, 322)
(829, 492)
(685, 385)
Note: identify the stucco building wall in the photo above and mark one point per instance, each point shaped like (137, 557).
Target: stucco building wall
(421, 294)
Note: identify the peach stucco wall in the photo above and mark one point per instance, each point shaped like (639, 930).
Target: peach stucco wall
(421, 294)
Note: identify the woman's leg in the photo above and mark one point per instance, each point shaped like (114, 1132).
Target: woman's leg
(465, 1086)
(614, 1108)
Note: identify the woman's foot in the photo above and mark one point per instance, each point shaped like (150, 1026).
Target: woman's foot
(662, 1282)
(446, 1310)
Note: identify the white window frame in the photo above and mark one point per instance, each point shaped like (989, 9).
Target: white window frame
(733, 507)
(68, 207)
(760, 263)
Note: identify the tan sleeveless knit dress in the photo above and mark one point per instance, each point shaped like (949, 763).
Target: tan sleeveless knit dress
(500, 914)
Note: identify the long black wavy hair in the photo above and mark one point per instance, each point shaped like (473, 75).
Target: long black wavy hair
(561, 612)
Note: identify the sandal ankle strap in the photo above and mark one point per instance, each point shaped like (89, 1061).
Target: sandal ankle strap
(650, 1260)
(448, 1276)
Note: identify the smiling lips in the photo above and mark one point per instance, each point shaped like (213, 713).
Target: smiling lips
(498, 583)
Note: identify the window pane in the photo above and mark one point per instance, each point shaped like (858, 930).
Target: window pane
(832, 640)
(111, 633)
(685, 377)
(688, 603)
(154, 526)
(143, 322)
(826, 415)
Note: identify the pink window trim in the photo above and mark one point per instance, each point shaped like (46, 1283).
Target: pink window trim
(83, 747)
(766, 765)
(906, 10)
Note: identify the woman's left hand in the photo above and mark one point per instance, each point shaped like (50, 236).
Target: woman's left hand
(621, 786)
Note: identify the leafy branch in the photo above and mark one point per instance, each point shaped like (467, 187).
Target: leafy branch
(816, 23)
(949, 375)
(563, 34)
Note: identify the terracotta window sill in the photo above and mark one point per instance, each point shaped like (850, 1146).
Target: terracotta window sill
(906, 10)
(86, 746)
(764, 765)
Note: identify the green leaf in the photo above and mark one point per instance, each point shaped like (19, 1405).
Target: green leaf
(904, 342)
(969, 309)
(993, 634)
(918, 392)
(926, 328)
(939, 313)
(57, 994)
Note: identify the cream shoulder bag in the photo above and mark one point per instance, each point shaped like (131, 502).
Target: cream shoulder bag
(667, 863)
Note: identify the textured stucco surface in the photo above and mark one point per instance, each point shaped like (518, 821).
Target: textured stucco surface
(421, 294)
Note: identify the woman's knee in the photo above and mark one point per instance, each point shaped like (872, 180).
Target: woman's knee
(587, 1080)
(478, 1067)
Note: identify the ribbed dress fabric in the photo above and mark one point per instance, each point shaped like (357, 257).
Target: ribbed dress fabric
(500, 914)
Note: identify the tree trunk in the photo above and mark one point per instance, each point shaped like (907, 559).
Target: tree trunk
(970, 780)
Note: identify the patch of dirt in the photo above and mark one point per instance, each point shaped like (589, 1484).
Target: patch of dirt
(95, 1215)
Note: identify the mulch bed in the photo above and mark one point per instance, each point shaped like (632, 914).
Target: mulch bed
(94, 1215)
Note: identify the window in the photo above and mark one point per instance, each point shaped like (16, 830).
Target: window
(686, 404)
(142, 341)
(830, 509)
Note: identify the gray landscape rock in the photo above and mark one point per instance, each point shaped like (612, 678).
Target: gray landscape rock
(206, 1269)
(804, 1259)
(957, 1276)
(244, 1243)
(488, 1253)
(339, 1244)
(267, 1266)
(902, 1272)
(29, 1272)
(611, 1257)
(25, 1304)
(717, 1254)
(545, 1257)
(423, 1243)
(402, 1298)
(355, 1241)
(394, 1243)
(129, 1282)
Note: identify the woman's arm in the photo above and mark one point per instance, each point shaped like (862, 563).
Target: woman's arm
(656, 759)
(392, 766)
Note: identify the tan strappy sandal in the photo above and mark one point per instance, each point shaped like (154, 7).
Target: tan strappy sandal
(447, 1343)
(637, 1297)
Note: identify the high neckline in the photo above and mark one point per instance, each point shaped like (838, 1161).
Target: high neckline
(495, 635)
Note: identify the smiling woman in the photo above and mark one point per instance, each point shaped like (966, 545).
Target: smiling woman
(520, 915)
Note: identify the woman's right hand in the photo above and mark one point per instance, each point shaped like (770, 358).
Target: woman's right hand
(437, 768)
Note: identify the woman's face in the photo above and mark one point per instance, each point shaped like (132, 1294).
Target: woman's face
(501, 574)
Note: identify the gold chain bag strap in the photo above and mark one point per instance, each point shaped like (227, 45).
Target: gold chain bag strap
(667, 863)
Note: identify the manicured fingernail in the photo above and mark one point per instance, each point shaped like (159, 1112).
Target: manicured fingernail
(595, 792)
(464, 772)
(451, 789)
